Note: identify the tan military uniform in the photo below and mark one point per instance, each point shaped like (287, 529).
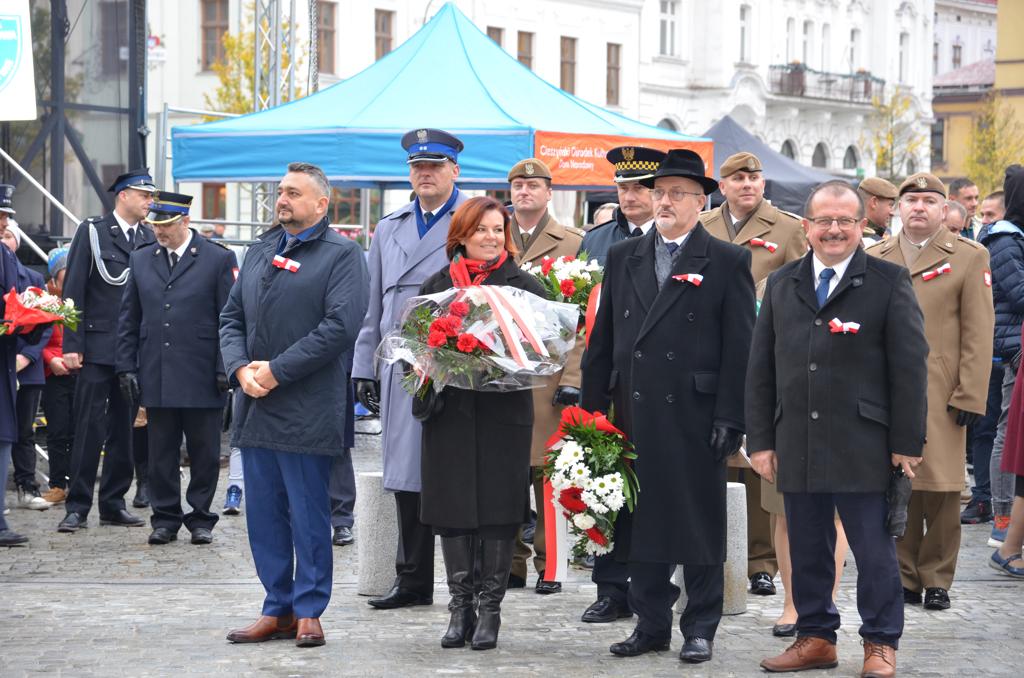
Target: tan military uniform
(959, 324)
(548, 239)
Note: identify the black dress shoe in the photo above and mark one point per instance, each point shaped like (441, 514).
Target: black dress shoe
(911, 597)
(12, 538)
(202, 535)
(696, 650)
(605, 610)
(342, 536)
(784, 630)
(162, 535)
(399, 597)
(639, 643)
(141, 499)
(515, 582)
(546, 587)
(761, 584)
(73, 522)
(936, 599)
(122, 518)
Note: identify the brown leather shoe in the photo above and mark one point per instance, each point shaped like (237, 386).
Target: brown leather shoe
(807, 652)
(879, 660)
(310, 634)
(265, 628)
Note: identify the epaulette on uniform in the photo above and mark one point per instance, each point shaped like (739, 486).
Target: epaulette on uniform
(791, 214)
(218, 243)
(874, 245)
(578, 231)
(973, 243)
(146, 244)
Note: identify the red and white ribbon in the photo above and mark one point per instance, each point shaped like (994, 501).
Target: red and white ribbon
(837, 326)
(287, 264)
(928, 275)
(556, 538)
(509, 319)
(768, 245)
(988, 279)
(694, 279)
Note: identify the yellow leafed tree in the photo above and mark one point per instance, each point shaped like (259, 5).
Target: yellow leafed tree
(997, 140)
(892, 138)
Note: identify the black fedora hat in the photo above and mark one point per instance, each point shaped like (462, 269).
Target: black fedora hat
(682, 162)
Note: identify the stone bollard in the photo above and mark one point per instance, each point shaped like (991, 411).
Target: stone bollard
(736, 554)
(376, 531)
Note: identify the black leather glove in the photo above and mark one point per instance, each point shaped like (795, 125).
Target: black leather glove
(222, 383)
(897, 495)
(566, 395)
(368, 394)
(129, 383)
(725, 441)
(963, 418)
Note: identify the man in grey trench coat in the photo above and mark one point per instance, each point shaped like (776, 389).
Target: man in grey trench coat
(407, 248)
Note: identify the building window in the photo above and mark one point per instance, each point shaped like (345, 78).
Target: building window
(935, 58)
(850, 158)
(808, 42)
(791, 40)
(496, 34)
(215, 201)
(788, 149)
(939, 142)
(904, 56)
(820, 156)
(325, 36)
(669, 10)
(214, 24)
(524, 49)
(114, 40)
(855, 49)
(745, 57)
(826, 43)
(383, 22)
(958, 54)
(612, 74)
(567, 81)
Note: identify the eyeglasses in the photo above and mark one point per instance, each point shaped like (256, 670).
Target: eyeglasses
(675, 195)
(845, 223)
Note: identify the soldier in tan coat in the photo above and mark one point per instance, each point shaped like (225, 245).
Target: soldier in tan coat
(538, 235)
(952, 282)
(879, 198)
(774, 237)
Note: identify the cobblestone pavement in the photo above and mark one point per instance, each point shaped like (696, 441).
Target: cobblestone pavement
(104, 603)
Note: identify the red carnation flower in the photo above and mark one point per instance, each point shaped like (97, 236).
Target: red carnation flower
(597, 536)
(458, 308)
(570, 499)
(466, 343)
(545, 265)
(437, 339)
(447, 325)
(568, 287)
(567, 258)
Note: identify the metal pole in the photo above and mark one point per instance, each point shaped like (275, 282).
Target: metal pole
(161, 147)
(58, 28)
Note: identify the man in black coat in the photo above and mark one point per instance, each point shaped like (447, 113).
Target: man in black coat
(96, 273)
(835, 400)
(168, 360)
(669, 351)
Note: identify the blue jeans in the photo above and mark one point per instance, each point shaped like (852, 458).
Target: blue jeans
(982, 435)
(1000, 482)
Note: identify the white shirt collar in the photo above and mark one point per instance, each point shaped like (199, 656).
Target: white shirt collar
(180, 251)
(839, 268)
(644, 227)
(123, 224)
(679, 241)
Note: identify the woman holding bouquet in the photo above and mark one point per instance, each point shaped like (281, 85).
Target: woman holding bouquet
(476, 445)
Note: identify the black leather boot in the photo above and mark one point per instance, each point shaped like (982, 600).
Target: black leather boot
(495, 564)
(459, 558)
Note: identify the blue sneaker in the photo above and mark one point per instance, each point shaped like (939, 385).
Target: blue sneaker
(997, 562)
(233, 502)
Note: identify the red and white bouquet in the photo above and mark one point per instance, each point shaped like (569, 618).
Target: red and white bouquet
(33, 307)
(589, 467)
(480, 338)
(568, 279)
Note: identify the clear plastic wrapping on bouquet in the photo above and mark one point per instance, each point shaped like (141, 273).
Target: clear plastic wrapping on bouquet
(481, 338)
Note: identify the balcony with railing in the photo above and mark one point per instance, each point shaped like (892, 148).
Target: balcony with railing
(796, 80)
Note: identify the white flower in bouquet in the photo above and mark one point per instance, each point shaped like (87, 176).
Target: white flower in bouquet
(594, 502)
(615, 500)
(595, 549)
(559, 482)
(614, 479)
(580, 475)
(601, 485)
(592, 265)
(572, 452)
(583, 521)
(563, 462)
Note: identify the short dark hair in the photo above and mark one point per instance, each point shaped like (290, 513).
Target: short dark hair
(958, 185)
(314, 173)
(996, 195)
(467, 217)
(835, 187)
(954, 205)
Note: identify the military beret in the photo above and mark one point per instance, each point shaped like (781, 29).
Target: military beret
(739, 162)
(633, 163)
(431, 145)
(923, 182)
(879, 187)
(529, 169)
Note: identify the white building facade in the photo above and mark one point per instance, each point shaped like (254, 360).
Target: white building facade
(965, 33)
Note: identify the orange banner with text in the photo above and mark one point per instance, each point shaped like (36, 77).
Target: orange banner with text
(578, 159)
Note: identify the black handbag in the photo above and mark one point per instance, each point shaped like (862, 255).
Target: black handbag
(898, 497)
(429, 406)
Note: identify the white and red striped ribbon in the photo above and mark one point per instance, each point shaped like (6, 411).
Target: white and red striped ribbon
(837, 326)
(767, 244)
(694, 279)
(287, 264)
(509, 318)
(935, 273)
(556, 538)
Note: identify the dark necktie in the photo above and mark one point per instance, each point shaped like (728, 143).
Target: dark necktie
(427, 216)
(174, 260)
(671, 247)
(131, 237)
(636, 232)
(824, 277)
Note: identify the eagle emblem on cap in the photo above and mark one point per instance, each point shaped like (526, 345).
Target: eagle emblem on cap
(528, 168)
(922, 182)
(627, 154)
(751, 165)
(421, 135)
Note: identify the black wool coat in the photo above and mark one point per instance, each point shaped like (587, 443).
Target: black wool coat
(835, 406)
(672, 362)
(475, 463)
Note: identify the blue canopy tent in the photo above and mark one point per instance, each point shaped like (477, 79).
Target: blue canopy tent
(448, 75)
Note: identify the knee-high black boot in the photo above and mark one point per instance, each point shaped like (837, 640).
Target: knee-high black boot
(459, 558)
(495, 563)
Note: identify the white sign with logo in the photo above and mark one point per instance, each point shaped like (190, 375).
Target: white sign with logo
(17, 78)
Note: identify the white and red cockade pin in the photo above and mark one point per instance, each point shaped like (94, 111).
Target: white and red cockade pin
(935, 273)
(234, 272)
(287, 264)
(694, 279)
(767, 244)
(988, 278)
(837, 326)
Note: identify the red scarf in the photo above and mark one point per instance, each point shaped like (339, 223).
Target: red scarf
(466, 272)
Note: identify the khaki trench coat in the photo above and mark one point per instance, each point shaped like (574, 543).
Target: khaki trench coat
(770, 224)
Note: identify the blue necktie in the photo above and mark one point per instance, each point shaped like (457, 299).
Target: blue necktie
(671, 247)
(824, 277)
